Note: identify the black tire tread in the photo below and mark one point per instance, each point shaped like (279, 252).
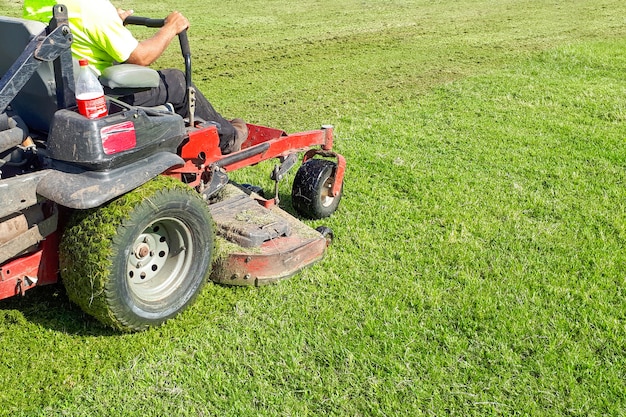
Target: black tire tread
(307, 188)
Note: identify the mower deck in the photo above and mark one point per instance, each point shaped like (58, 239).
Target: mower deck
(258, 245)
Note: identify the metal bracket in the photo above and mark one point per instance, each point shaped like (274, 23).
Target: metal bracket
(216, 182)
(286, 164)
(54, 44)
(279, 172)
(63, 65)
(31, 237)
(191, 93)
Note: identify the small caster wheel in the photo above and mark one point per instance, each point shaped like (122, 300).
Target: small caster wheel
(311, 192)
(328, 233)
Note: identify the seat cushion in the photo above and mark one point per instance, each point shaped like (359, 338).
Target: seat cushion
(129, 76)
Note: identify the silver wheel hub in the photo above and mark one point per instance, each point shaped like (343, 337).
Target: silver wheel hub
(327, 193)
(159, 259)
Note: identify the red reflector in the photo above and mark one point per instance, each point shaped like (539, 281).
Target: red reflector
(118, 138)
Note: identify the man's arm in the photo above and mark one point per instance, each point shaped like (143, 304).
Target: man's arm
(150, 49)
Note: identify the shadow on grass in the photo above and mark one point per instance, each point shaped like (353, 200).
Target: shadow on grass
(49, 307)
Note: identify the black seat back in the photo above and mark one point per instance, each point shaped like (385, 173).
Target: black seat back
(36, 103)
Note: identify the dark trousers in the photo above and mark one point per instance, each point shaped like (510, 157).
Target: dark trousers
(173, 89)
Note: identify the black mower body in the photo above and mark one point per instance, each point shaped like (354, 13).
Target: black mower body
(124, 137)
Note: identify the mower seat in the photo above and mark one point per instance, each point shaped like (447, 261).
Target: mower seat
(36, 103)
(124, 79)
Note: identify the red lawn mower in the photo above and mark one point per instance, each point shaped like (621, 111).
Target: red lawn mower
(135, 210)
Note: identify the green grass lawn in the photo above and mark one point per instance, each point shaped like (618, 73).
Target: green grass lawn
(478, 266)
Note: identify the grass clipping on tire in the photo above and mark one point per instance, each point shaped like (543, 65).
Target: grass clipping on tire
(86, 254)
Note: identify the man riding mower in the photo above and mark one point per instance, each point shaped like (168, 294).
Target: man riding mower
(135, 209)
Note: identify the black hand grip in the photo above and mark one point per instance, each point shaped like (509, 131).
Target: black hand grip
(184, 43)
(144, 21)
(186, 51)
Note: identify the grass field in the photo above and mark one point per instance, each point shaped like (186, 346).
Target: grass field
(479, 264)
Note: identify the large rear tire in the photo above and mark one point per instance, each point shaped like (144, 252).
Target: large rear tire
(141, 259)
(311, 191)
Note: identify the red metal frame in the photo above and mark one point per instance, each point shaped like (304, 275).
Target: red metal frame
(38, 268)
(201, 151)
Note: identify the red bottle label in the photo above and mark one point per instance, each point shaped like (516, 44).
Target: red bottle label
(92, 105)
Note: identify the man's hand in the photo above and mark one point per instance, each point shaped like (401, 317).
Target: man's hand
(150, 49)
(176, 22)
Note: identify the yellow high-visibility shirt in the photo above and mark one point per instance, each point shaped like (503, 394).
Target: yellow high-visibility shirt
(98, 32)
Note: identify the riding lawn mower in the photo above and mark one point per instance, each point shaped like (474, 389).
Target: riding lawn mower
(133, 212)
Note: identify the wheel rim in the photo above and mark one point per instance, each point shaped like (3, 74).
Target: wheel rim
(159, 260)
(326, 196)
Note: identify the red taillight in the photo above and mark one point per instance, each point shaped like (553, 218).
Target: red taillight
(118, 138)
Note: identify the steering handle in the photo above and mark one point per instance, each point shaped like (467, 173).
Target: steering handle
(184, 43)
(144, 21)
